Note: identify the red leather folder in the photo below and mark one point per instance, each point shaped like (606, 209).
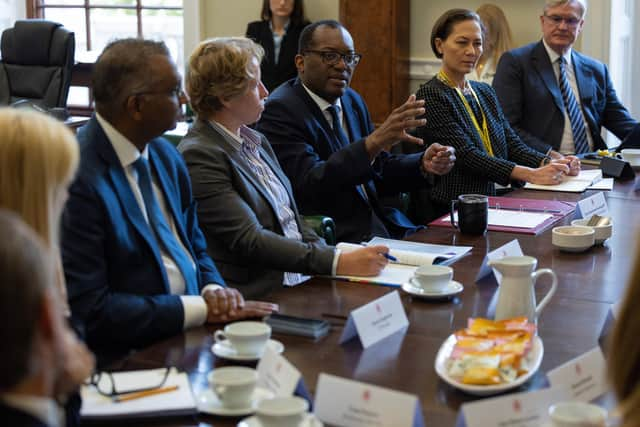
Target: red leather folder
(557, 208)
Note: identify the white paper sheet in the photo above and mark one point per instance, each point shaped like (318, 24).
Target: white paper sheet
(95, 405)
(514, 218)
(571, 184)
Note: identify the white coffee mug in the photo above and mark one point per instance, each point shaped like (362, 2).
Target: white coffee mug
(631, 155)
(577, 414)
(282, 411)
(234, 385)
(432, 278)
(247, 337)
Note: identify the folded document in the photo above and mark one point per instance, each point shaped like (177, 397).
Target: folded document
(409, 256)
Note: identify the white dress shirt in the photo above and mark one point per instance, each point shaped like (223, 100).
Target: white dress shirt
(195, 308)
(566, 145)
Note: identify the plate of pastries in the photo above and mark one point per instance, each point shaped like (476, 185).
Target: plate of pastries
(489, 357)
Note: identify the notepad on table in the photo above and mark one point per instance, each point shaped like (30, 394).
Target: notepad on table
(180, 401)
(409, 256)
(571, 184)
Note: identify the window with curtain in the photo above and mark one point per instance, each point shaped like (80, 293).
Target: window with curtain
(96, 22)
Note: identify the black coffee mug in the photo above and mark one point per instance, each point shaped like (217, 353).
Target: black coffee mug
(473, 212)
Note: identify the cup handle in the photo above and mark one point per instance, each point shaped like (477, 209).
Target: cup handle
(219, 390)
(454, 203)
(219, 336)
(552, 290)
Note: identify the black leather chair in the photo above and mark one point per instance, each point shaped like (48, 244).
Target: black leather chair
(37, 61)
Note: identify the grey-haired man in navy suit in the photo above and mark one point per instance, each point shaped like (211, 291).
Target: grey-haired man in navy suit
(528, 83)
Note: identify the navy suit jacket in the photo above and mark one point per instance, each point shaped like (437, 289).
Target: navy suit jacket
(530, 97)
(326, 176)
(117, 283)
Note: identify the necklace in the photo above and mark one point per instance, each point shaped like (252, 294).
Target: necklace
(483, 130)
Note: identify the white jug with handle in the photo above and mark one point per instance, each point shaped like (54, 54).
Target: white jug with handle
(516, 295)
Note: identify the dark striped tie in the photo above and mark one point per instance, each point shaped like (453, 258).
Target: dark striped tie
(337, 127)
(578, 129)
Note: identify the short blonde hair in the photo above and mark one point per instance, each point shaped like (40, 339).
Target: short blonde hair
(498, 38)
(548, 4)
(624, 354)
(219, 70)
(38, 158)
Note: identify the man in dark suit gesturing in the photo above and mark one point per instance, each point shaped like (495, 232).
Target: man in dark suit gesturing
(134, 257)
(323, 136)
(556, 98)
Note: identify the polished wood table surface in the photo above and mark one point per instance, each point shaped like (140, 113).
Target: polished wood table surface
(588, 284)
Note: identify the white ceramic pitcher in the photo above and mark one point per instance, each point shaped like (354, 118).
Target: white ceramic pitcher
(516, 295)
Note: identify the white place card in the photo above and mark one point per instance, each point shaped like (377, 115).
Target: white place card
(526, 409)
(510, 249)
(351, 403)
(594, 205)
(585, 376)
(376, 320)
(277, 374)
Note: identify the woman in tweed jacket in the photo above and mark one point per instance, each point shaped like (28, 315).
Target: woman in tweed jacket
(467, 116)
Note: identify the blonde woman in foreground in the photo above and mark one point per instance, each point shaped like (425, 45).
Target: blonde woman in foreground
(38, 158)
(624, 353)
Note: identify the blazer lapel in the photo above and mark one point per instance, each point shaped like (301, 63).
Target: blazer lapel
(239, 162)
(128, 201)
(349, 115)
(542, 64)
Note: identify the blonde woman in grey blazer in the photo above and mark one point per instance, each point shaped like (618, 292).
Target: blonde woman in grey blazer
(246, 208)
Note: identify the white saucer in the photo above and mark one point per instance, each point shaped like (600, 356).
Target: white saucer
(452, 289)
(209, 403)
(224, 350)
(310, 421)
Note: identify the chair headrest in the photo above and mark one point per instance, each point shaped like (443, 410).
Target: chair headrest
(31, 42)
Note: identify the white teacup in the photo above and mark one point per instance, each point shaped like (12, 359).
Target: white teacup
(234, 385)
(247, 337)
(432, 278)
(577, 414)
(282, 411)
(631, 155)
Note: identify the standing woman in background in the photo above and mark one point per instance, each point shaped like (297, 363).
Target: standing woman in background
(38, 158)
(278, 33)
(497, 40)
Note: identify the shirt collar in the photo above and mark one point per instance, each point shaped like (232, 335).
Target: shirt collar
(553, 55)
(42, 408)
(125, 150)
(321, 102)
(247, 135)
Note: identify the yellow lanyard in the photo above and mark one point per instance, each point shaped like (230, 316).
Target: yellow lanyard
(482, 131)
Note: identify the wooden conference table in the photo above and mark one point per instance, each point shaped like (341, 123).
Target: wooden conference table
(572, 323)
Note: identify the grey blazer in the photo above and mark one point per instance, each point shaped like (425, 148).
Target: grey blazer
(238, 217)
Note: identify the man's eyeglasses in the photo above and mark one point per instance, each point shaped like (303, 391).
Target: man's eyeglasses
(557, 20)
(105, 384)
(332, 58)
